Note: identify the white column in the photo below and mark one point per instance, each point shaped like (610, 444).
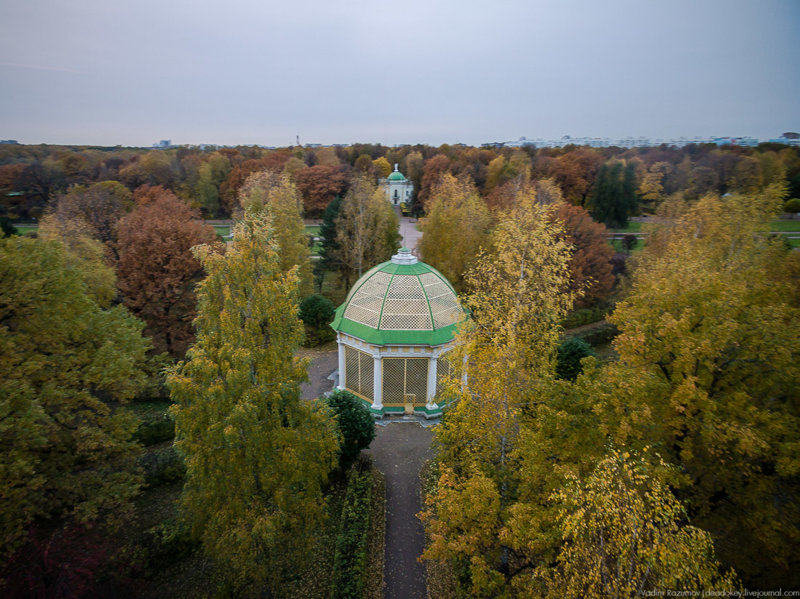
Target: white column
(342, 370)
(432, 362)
(377, 383)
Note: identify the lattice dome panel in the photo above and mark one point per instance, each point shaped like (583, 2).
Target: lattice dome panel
(443, 302)
(365, 305)
(405, 307)
(405, 376)
(359, 372)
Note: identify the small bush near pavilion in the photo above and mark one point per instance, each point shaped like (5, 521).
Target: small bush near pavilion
(356, 425)
(317, 312)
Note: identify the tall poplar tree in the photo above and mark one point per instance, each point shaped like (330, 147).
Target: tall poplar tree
(257, 458)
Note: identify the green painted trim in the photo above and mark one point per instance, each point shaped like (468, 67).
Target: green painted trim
(401, 337)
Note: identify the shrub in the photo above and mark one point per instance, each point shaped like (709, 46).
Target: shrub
(570, 353)
(350, 557)
(317, 312)
(792, 205)
(356, 425)
(162, 465)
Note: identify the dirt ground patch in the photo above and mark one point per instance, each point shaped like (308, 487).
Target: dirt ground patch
(399, 450)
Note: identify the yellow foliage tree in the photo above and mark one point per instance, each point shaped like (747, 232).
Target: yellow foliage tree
(519, 294)
(711, 321)
(279, 195)
(257, 457)
(456, 225)
(625, 534)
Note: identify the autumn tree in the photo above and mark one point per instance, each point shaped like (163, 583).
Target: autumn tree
(590, 265)
(97, 209)
(382, 167)
(709, 318)
(156, 271)
(454, 229)
(519, 293)
(257, 457)
(210, 175)
(366, 229)
(279, 196)
(319, 185)
(67, 363)
(625, 534)
(432, 171)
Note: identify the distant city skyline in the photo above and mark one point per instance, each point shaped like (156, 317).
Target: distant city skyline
(253, 72)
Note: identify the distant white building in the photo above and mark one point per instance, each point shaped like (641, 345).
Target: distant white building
(398, 189)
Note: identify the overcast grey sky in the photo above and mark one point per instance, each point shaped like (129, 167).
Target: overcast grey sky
(437, 71)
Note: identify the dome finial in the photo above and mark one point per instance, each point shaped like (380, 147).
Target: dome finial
(404, 256)
(395, 167)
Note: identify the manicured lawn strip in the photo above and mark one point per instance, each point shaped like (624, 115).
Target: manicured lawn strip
(312, 230)
(784, 226)
(633, 227)
(22, 229)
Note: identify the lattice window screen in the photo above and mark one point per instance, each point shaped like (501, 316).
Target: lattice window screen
(365, 307)
(405, 376)
(405, 307)
(359, 372)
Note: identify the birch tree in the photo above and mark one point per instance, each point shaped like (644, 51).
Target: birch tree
(257, 458)
(367, 229)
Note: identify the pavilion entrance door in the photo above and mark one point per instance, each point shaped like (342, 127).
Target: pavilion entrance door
(405, 381)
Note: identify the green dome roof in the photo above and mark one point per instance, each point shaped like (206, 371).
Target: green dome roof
(396, 176)
(402, 301)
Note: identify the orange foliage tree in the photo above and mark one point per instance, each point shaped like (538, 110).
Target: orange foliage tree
(318, 186)
(157, 272)
(590, 265)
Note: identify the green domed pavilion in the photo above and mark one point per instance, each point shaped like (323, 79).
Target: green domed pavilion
(394, 331)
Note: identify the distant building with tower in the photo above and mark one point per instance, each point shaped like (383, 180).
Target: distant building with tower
(398, 189)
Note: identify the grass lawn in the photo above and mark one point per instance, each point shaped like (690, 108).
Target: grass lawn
(312, 230)
(22, 229)
(222, 230)
(785, 226)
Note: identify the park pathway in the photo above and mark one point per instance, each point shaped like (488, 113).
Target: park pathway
(399, 450)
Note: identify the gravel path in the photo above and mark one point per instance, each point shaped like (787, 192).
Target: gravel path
(399, 450)
(324, 361)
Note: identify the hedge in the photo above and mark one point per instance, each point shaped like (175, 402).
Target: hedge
(350, 557)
